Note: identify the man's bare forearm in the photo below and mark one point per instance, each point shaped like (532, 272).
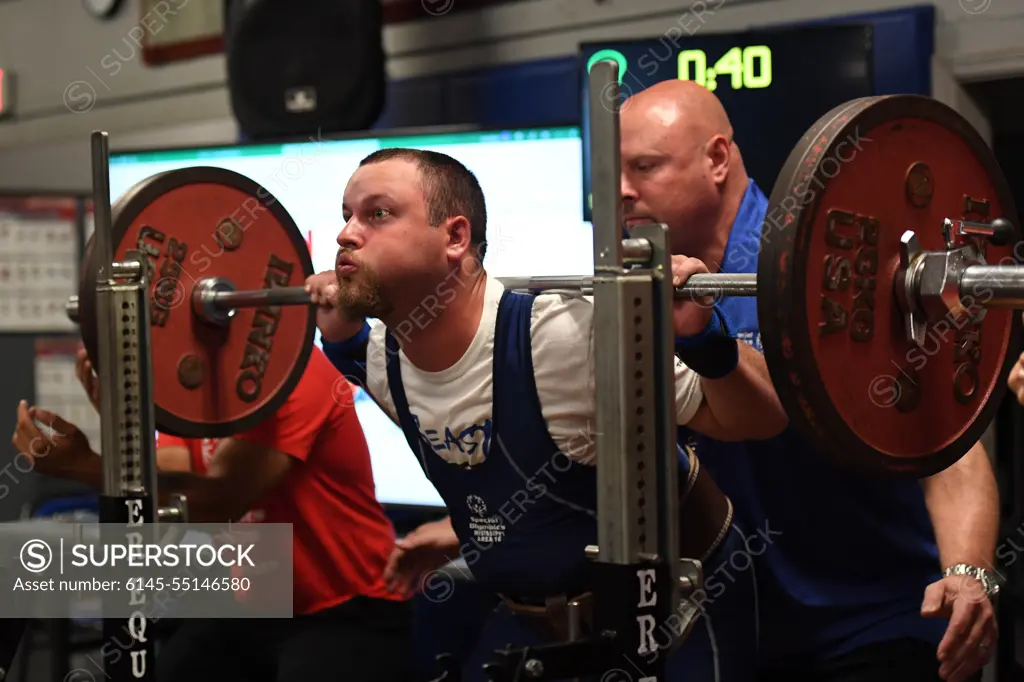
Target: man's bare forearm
(745, 401)
(963, 502)
(89, 472)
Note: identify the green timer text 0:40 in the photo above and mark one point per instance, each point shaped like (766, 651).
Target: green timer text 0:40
(745, 67)
(748, 67)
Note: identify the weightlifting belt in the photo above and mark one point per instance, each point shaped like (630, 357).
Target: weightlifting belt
(705, 517)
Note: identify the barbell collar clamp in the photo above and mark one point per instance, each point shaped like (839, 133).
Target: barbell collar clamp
(999, 232)
(905, 284)
(206, 303)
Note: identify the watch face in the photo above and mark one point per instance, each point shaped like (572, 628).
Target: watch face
(991, 584)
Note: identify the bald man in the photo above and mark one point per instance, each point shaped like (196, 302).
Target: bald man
(852, 586)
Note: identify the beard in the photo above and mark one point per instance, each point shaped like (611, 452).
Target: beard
(362, 295)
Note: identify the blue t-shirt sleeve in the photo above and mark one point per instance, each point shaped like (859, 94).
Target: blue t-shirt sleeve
(349, 356)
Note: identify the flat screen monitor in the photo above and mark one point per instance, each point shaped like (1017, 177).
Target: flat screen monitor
(773, 83)
(531, 179)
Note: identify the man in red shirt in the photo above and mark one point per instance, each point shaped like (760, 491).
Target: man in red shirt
(308, 465)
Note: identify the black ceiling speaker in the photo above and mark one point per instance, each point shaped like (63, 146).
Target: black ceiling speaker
(303, 67)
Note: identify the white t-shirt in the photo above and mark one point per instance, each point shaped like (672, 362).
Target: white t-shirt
(453, 406)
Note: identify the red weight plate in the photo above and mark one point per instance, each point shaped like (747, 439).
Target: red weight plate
(834, 337)
(198, 223)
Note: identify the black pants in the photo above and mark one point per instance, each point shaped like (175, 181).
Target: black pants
(904, 660)
(362, 640)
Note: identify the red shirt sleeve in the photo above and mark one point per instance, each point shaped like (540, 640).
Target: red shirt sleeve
(297, 424)
(164, 440)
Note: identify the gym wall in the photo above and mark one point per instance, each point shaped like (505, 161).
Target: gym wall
(75, 74)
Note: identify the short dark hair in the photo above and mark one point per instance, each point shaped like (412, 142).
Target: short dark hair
(450, 189)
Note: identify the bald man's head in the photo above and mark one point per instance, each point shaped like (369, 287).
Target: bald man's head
(679, 161)
(683, 108)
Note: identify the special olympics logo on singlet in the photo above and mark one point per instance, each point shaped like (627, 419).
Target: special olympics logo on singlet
(487, 530)
(476, 505)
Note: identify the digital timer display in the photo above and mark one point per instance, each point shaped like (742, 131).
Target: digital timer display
(773, 83)
(746, 67)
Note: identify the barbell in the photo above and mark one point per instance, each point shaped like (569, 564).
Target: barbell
(886, 274)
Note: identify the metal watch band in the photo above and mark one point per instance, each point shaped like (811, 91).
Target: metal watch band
(987, 579)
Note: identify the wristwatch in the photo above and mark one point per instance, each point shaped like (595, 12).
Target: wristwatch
(986, 578)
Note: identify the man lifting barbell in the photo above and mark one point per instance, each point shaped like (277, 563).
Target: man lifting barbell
(842, 586)
(308, 465)
(495, 390)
